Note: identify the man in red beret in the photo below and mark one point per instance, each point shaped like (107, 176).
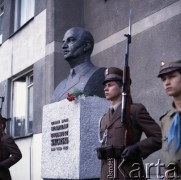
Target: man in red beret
(121, 161)
(170, 74)
(9, 152)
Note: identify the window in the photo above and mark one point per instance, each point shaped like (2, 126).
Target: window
(24, 11)
(1, 19)
(22, 106)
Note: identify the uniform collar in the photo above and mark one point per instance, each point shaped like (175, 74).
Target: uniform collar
(173, 110)
(115, 106)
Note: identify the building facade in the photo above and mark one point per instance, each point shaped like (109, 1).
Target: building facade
(32, 64)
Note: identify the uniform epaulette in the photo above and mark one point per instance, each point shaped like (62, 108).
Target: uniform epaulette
(163, 115)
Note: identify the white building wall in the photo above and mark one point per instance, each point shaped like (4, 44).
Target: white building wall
(29, 167)
(24, 48)
(36, 157)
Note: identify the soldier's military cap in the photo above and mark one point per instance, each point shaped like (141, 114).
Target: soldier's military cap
(113, 74)
(170, 67)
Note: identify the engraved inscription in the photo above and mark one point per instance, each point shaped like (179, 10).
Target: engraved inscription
(59, 135)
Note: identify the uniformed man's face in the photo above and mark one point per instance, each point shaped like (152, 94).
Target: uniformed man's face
(172, 83)
(73, 44)
(112, 91)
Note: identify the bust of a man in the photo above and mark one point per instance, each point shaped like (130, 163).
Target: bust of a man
(84, 76)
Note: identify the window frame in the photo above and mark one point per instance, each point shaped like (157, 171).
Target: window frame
(26, 74)
(18, 9)
(1, 25)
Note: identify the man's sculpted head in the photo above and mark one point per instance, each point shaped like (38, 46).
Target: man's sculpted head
(77, 43)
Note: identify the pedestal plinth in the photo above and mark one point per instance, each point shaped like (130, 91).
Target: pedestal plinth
(70, 137)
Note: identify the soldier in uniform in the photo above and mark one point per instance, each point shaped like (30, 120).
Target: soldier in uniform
(118, 161)
(170, 73)
(9, 152)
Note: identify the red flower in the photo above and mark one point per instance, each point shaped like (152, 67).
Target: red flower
(70, 97)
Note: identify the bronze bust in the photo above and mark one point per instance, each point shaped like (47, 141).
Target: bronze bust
(77, 46)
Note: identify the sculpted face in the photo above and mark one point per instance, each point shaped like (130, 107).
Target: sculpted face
(172, 83)
(73, 44)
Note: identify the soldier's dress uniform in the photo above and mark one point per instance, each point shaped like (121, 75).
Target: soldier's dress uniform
(141, 122)
(112, 138)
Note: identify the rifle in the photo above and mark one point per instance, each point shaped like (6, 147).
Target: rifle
(126, 96)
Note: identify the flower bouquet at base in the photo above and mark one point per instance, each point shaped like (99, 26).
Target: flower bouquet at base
(77, 94)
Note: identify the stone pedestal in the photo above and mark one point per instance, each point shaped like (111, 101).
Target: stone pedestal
(70, 137)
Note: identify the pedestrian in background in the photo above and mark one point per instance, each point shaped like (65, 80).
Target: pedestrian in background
(9, 152)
